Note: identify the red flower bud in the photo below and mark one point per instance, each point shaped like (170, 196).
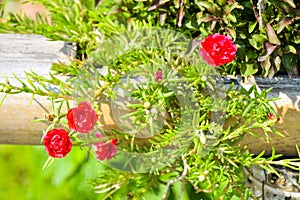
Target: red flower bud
(58, 143)
(271, 116)
(158, 76)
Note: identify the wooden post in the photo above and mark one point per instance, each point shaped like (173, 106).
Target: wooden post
(266, 185)
(21, 53)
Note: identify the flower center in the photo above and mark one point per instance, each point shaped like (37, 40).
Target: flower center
(217, 50)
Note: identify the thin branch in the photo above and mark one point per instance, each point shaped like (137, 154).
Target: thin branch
(41, 105)
(171, 182)
(261, 10)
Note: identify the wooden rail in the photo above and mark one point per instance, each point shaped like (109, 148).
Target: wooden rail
(287, 89)
(20, 53)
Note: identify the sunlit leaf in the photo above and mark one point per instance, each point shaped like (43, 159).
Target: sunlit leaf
(266, 64)
(272, 35)
(271, 73)
(269, 48)
(207, 5)
(291, 3)
(205, 18)
(229, 7)
(252, 26)
(277, 62)
(231, 32)
(249, 69)
(257, 41)
(283, 23)
(232, 18)
(290, 49)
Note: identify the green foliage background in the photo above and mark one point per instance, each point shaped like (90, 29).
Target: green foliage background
(267, 39)
(22, 176)
(66, 179)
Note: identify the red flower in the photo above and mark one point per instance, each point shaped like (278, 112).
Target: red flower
(217, 50)
(82, 118)
(105, 150)
(58, 143)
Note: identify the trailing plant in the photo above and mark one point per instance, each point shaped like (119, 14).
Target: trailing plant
(162, 78)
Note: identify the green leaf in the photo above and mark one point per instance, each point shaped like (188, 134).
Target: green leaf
(3, 98)
(253, 134)
(247, 109)
(31, 99)
(269, 48)
(229, 7)
(266, 64)
(135, 113)
(191, 25)
(169, 94)
(278, 133)
(260, 155)
(272, 35)
(291, 3)
(232, 18)
(242, 35)
(257, 40)
(241, 51)
(221, 2)
(290, 49)
(232, 162)
(289, 62)
(231, 32)
(252, 26)
(249, 69)
(251, 55)
(48, 163)
(282, 24)
(208, 6)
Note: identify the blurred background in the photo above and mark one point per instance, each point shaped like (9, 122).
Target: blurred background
(21, 6)
(22, 176)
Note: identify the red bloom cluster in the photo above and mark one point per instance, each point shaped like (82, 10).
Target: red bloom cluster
(58, 143)
(82, 118)
(105, 150)
(217, 50)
